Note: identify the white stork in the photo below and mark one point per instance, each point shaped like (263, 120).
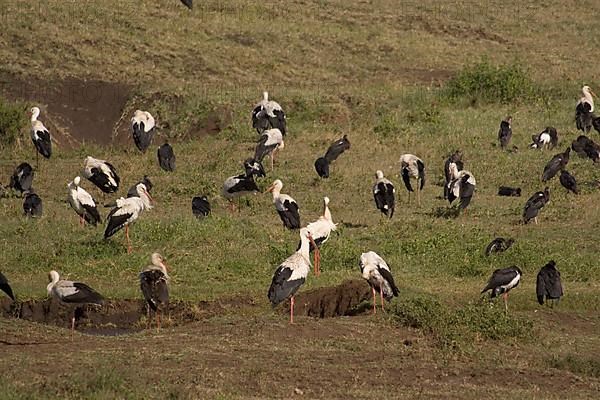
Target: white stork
(70, 292)
(240, 185)
(127, 212)
(154, 283)
(462, 187)
(320, 230)
(268, 113)
(384, 195)
(292, 273)
(584, 110)
(40, 136)
(270, 142)
(502, 281)
(375, 270)
(286, 206)
(102, 174)
(142, 128)
(412, 166)
(83, 203)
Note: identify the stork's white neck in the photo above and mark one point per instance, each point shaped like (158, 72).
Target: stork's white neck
(304, 248)
(54, 281)
(276, 192)
(266, 96)
(34, 115)
(587, 98)
(327, 213)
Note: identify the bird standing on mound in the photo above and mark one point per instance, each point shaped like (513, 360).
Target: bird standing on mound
(142, 129)
(548, 285)
(375, 270)
(154, 283)
(502, 281)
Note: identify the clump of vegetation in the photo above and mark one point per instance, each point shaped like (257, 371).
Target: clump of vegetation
(577, 364)
(12, 120)
(487, 83)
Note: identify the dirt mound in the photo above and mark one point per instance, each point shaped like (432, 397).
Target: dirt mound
(347, 298)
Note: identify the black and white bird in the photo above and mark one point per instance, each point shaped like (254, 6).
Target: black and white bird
(502, 281)
(40, 136)
(188, 3)
(154, 283)
(292, 273)
(384, 194)
(75, 293)
(584, 110)
(548, 138)
(568, 181)
(462, 188)
(322, 167)
(142, 129)
(505, 132)
(586, 147)
(166, 157)
(286, 206)
(83, 203)
(102, 174)
(240, 185)
(320, 230)
(498, 245)
(22, 178)
(452, 167)
(412, 167)
(126, 212)
(268, 114)
(548, 285)
(509, 191)
(535, 204)
(132, 192)
(5, 287)
(270, 142)
(375, 270)
(337, 148)
(32, 204)
(557, 163)
(200, 206)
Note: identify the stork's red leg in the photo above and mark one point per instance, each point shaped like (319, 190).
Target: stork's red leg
(381, 295)
(292, 310)
(374, 301)
(127, 236)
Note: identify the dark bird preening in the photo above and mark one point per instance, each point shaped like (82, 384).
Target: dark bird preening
(200, 206)
(548, 285)
(32, 204)
(548, 138)
(243, 184)
(154, 284)
(505, 132)
(452, 167)
(5, 287)
(534, 204)
(102, 174)
(333, 152)
(268, 114)
(322, 167)
(557, 163)
(502, 281)
(384, 194)
(462, 188)
(166, 157)
(498, 245)
(22, 178)
(509, 191)
(375, 270)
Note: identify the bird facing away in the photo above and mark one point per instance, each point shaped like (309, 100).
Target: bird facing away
(292, 273)
(452, 167)
(142, 128)
(166, 157)
(502, 281)
(462, 188)
(102, 174)
(548, 285)
(286, 206)
(32, 204)
(320, 230)
(337, 148)
(498, 245)
(154, 283)
(384, 194)
(322, 167)
(509, 191)
(568, 181)
(548, 138)
(83, 203)
(268, 114)
(558, 162)
(22, 178)
(375, 270)
(132, 192)
(534, 204)
(69, 292)
(188, 3)
(412, 167)
(5, 287)
(40, 136)
(240, 185)
(270, 142)
(200, 206)
(586, 147)
(505, 132)
(584, 110)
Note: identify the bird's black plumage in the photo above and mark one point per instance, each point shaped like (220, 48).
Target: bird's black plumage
(537, 139)
(102, 181)
(281, 287)
(200, 206)
(558, 162)
(455, 158)
(385, 199)
(291, 215)
(387, 275)
(5, 287)
(509, 191)
(568, 181)
(584, 117)
(498, 245)
(91, 214)
(22, 178)
(83, 294)
(32, 205)
(322, 167)
(501, 279)
(254, 167)
(166, 157)
(586, 147)
(188, 3)
(548, 285)
(505, 132)
(534, 204)
(43, 143)
(115, 223)
(337, 148)
(155, 289)
(141, 138)
(132, 192)
(262, 121)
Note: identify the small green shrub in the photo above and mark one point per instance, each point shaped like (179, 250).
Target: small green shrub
(12, 120)
(577, 364)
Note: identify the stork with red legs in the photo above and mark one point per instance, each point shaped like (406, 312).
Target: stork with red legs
(375, 270)
(320, 231)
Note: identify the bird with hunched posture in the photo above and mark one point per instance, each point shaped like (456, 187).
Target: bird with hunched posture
(69, 292)
(126, 212)
(568, 181)
(384, 195)
(558, 162)
(534, 204)
(413, 167)
(462, 188)
(5, 287)
(547, 138)
(502, 281)
(505, 132)
(584, 110)
(166, 157)
(498, 245)
(270, 142)
(22, 178)
(292, 273)
(40, 136)
(268, 114)
(83, 203)
(452, 166)
(322, 167)
(332, 153)
(286, 206)
(32, 204)
(142, 128)
(586, 147)
(200, 206)
(240, 185)
(154, 283)
(548, 285)
(375, 270)
(320, 230)
(509, 191)
(102, 174)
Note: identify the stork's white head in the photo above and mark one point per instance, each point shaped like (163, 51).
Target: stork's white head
(53, 277)
(76, 180)
(266, 96)
(159, 261)
(379, 174)
(587, 92)
(35, 113)
(276, 187)
(326, 201)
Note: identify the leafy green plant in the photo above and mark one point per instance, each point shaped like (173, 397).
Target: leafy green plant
(12, 120)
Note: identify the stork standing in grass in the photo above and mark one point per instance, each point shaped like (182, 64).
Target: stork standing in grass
(69, 292)
(292, 273)
(40, 136)
(412, 167)
(83, 203)
(568, 181)
(584, 110)
(154, 283)
(270, 142)
(375, 270)
(333, 152)
(384, 194)
(142, 127)
(534, 204)
(268, 114)
(452, 166)
(548, 285)
(320, 230)
(102, 174)
(462, 188)
(286, 206)
(505, 132)
(502, 281)
(5, 287)
(240, 185)
(22, 178)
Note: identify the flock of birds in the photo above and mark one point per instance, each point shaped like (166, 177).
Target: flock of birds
(269, 120)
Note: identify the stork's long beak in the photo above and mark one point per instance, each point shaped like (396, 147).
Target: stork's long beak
(593, 94)
(269, 189)
(166, 266)
(150, 197)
